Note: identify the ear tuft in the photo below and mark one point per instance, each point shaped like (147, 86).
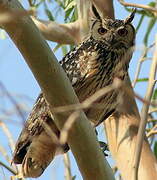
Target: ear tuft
(130, 18)
(95, 12)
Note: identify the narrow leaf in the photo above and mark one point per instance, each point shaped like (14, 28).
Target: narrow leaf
(155, 149)
(151, 24)
(154, 97)
(142, 80)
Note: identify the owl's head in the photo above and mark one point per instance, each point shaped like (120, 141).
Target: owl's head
(114, 33)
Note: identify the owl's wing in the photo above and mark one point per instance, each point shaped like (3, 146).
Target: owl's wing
(33, 142)
(31, 128)
(35, 149)
(75, 62)
(70, 65)
(88, 67)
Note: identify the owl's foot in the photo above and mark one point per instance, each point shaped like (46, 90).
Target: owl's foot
(32, 167)
(19, 176)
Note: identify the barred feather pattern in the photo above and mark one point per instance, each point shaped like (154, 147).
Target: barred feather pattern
(92, 65)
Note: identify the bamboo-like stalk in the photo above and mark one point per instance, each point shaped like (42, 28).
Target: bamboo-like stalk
(58, 91)
(144, 113)
(121, 130)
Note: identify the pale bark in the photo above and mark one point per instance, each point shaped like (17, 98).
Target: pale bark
(122, 129)
(60, 33)
(73, 33)
(105, 7)
(58, 91)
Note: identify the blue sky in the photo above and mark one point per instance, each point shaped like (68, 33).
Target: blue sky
(18, 79)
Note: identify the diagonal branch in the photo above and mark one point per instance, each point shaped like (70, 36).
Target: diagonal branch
(121, 130)
(8, 168)
(60, 33)
(46, 69)
(146, 7)
(83, 8)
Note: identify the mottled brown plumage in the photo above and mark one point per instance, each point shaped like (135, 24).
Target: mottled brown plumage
(104, 55)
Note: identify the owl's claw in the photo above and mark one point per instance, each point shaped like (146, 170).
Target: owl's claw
(19, 176)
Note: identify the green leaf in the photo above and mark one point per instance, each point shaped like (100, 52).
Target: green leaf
(74, 177)
(155, 149)
(66, 2)
(142, 80)
(71, 47)
(74, 16)
(60, 3)
(70, 5)
(64, 50)
(140, 22)
(154, 97)
(67, 14)
(151, 24)
(152, 4)
(56, 47)
(142, 12)
(49, 14)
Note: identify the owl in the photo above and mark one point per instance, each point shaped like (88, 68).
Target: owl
(92, 65)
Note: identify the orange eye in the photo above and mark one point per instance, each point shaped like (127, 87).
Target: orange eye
(102, 30)
(122, 32)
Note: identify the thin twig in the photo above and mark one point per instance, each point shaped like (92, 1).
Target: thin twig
(68, 175)
(86, 104)
(144, 101)
(67, 126)
(64, 132)
(73, 117)
(4, 153)
(149, 8)
(13, 101)
(152, 120)
(89, 101)
(8, 134)
(8, 168)
(11, 142)
(152, 110)
(144, 113)
(52, 135)
(139, 65)
(152, 131)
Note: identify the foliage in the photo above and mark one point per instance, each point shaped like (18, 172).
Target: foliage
(68, 10)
